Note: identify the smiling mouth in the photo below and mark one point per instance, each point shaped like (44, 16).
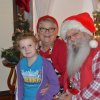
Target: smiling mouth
(47, 36)
(28, 53)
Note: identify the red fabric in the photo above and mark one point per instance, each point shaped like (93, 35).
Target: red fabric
(98, 60)
(25, 4)
(45, 54)
(85, 20)
(92, 90)
(65, 82)
(74, 91)
(86, 69)
(58, 57)
(86, 75)
(66, 86)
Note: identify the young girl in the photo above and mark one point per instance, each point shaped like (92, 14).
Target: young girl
(34, 72)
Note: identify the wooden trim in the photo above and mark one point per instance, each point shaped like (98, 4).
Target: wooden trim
(6, 95)
(14, 14)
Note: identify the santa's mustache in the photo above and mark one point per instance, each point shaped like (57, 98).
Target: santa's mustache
(78, 42)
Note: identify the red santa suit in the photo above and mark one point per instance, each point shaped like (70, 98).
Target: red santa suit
(85, 82)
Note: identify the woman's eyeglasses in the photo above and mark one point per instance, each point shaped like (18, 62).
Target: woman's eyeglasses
(42, 30)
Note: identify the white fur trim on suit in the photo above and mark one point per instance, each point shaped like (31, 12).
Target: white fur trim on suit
(72, 24)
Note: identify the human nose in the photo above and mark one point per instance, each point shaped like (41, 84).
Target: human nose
(47, 30)
(72, 38)
(69, 37)
(26, 48)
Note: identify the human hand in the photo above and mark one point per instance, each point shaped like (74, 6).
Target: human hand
(65, 97)
(44, 90)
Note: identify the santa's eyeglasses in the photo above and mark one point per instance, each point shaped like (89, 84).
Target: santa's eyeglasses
(43, 30)
(71, 36)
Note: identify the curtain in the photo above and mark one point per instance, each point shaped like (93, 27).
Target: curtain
(29, 15)
(43, 7)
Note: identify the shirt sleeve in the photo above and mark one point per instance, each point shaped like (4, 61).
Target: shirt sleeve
(59, 59)
(92, 91)
(53, 82)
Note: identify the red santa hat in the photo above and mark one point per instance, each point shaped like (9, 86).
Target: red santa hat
(46, 17)
(82, 22)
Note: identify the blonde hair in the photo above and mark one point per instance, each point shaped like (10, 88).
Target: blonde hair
(25, 35)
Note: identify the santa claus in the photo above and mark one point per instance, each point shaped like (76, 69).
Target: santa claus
(83, 59)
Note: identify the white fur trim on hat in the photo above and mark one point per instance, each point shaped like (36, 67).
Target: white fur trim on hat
(72, 24)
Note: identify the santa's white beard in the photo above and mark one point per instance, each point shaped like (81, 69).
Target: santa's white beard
(77, 55)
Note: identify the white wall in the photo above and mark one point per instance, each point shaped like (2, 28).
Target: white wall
(6, 31)
(60, 10)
